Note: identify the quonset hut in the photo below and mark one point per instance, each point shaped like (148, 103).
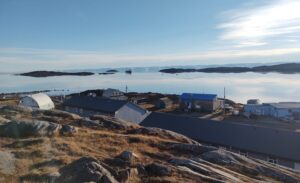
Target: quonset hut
(38, 101)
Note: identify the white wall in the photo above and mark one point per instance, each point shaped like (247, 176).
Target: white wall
(132, 113)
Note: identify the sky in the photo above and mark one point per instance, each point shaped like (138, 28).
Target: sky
(76, 34)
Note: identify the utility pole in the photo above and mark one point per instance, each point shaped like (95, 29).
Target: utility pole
(224, 101)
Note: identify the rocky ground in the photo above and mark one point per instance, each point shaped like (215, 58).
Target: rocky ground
(56, 146)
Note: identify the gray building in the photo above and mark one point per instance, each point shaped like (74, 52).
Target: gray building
(88, 106)
(287, 110)
(280, 147)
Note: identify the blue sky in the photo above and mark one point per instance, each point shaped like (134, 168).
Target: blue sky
(67, 34)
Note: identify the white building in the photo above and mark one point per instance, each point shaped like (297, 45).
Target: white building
(289, 110)
(38, 101)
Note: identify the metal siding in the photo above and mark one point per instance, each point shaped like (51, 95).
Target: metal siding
(29, 102)
(282, 113)
(297, 166)
(131, 113)
(250, 138)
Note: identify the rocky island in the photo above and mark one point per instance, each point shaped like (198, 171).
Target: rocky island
(288, 68)
(55, 73)
(112, 71)
(57, 146)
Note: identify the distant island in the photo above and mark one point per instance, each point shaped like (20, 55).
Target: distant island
(54, 73)
(288, 68)
(106, 73)
(112, 70)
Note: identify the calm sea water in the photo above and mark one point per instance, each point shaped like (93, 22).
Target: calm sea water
(271, 87)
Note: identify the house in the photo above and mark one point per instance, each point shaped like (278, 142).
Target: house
(163, 103)
(89, 106)
(253, 101)
(114, 94)
(273, 145)
(282, 110)
(258, 109)
(139, 100)
(37, 101)
(200, 102)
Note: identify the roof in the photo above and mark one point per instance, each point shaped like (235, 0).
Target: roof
(279, 143)
(137, 108)
(196, 96)
(95, 103)
(42, 100)
(286, 105)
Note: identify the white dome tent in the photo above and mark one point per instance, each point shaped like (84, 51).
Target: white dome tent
(38, 101)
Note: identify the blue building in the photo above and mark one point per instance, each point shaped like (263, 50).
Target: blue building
(200, 102)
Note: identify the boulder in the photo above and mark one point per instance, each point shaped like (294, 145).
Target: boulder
(125, 175)
(23, 129)
(112, 123)
(161, 133)
(16, 108)
(127, 156)
(68, 130)
(85, 169)
(3, 120)
(202, 168)
(155, 169)
(58, 113)
(7, 162)
(85, 122)
(141, 169)
(220, 157)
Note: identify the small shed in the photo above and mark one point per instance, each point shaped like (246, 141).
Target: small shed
(38, 101)
(114, 94)
(253, 101)
(163, 103)
(200, 102)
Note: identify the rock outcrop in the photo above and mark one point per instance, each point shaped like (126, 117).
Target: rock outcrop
(23, 129)
(85, 169)
(155, 169)
(64, 147)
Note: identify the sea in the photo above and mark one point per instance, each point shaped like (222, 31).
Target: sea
(239, 87)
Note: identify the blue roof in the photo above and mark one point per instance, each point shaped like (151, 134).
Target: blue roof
(196, 96)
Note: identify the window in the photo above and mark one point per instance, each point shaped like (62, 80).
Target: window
(273, 160)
